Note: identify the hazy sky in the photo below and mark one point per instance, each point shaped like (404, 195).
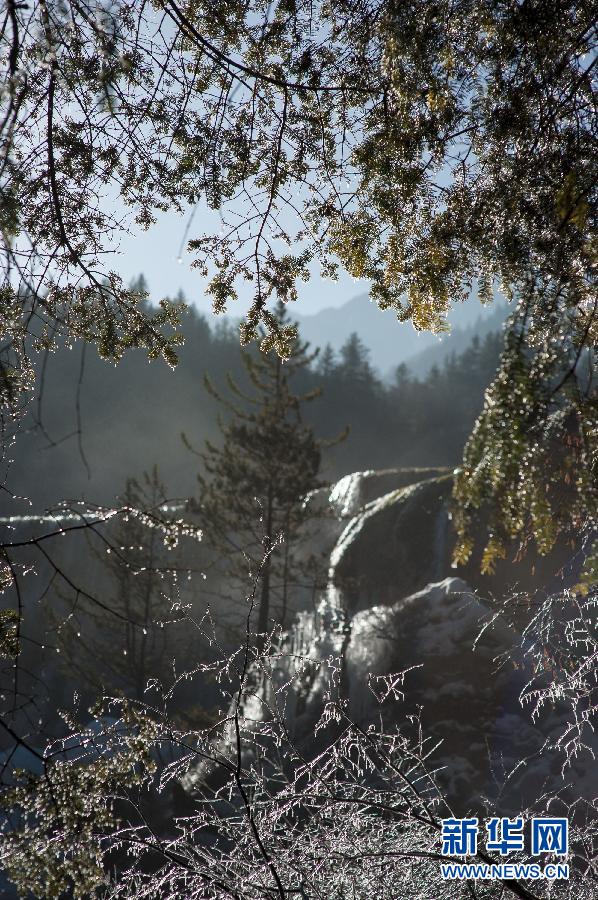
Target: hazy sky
(160, 255)
(156, 253)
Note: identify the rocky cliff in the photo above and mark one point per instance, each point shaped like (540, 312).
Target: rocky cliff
(390, 607)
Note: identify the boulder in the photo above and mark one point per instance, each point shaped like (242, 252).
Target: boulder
(465, 674)
(394, 545)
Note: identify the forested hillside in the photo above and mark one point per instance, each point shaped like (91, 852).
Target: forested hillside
(119, 421)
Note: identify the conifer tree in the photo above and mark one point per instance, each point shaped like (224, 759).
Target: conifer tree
(423, 146)
(327, 361)
(354, 362)
(253, 489)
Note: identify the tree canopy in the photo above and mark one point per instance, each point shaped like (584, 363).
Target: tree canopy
(254, 486)
(430, 147)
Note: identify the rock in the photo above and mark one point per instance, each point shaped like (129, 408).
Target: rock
(389, 607)
(391, 531)
(346, 497)
(463, 676)
(455, 687)
(394, 546)
(378, 528)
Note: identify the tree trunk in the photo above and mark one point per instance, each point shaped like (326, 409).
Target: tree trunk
(264, 609)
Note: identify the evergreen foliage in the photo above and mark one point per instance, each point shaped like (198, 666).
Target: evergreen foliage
(254, 485)
(406, 421)
(348, 809)
(428, 147)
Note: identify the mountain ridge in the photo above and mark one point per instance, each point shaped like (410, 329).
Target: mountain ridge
(391, 342)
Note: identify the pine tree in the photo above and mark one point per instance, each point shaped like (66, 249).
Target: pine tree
(140, 286)
(253, 490)
(355, 365)
(497, 97)
(402, 378)
(327, 362)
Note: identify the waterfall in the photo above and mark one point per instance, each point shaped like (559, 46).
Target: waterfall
(346, 495)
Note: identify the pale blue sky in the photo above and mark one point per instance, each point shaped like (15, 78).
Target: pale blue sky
(156, 253)
(160, 255)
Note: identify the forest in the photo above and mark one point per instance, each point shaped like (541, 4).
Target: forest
(277, 621)
(402, 421)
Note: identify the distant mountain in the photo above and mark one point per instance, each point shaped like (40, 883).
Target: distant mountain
(457, 341)
(392, 342)
(389, 340)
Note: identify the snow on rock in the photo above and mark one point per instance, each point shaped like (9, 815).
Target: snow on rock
(345, 496)
(394, 545)
(460, 693)
(339, 513)
(389, 609)
(354, 491)
(432, 660)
